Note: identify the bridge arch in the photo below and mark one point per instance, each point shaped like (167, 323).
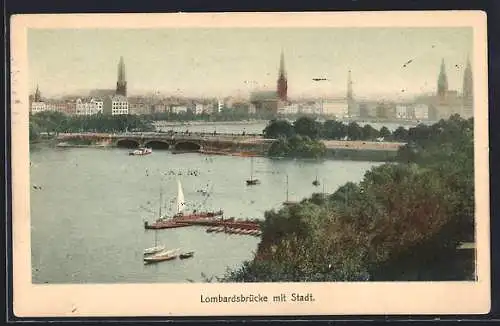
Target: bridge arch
(157, 144)
(187, 146)
(127, 143)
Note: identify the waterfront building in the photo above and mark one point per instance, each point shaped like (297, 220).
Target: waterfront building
(140, 108)
(199, 108)
(121, 84)
(338, 107)
(220, 105)
(403, 112)
(178, 109)
(160, 108)
(37, 107)
(88, 106)
(420, 112)
(265, 102)
(445, 102)
(36, 102)
(289, 109)
(116, 105)
(386, 110)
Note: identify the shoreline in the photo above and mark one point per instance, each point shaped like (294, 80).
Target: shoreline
(166, 123)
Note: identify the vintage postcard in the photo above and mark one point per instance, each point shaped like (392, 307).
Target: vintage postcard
(231, 164)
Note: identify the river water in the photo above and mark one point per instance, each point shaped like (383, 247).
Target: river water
(87, 218)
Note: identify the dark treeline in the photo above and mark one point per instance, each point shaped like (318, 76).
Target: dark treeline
(52, 123)
(403, 221)
(332, 129)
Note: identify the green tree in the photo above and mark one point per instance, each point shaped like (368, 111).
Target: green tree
(278, 128)
(385, 132)
(333, 129)
(369, 133)
(400, 134)
(354, 131)
(307, 126)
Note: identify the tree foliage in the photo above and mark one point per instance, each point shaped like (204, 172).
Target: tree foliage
(403, 221)
(55, 122)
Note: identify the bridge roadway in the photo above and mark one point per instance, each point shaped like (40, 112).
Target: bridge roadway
(200, 140)
(179, 141)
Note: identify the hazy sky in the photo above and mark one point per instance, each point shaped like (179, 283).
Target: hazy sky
(218, 62)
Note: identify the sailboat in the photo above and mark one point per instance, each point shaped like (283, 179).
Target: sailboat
(287, 202)
(157, 248)
(180, 216)
(162, 256)
(181, 203)
(316, 181)
(252, 181)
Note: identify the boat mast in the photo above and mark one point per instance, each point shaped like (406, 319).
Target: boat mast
(251, 169)
(161, 202)
(287, 187)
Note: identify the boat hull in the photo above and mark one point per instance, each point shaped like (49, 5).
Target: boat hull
(186, 255)
(152, 260)
(182, 220)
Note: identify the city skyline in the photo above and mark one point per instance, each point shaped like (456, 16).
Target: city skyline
(227, 62)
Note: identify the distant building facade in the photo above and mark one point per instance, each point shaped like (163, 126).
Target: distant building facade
(338, 107)
(179, 109)
(37, 107)
(115, 105)
(265, 102)
(88, 106)
(447, 102)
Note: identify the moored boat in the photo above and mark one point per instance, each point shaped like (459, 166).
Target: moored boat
(186, 255)
(252, 181)
(181, 219)
(162, 256)
(154, 250)
(141, 151)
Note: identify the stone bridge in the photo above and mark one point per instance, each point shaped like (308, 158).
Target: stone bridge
(179, 141)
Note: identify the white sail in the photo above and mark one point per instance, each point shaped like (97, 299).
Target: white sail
(181, 204)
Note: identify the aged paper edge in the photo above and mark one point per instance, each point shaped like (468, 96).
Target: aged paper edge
(31, 300)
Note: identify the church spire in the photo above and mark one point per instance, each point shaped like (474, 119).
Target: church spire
(467, 84)
(282, 87)
(442, 87)
(282, 64)
(349, 85)
(121, 84)
(467, 90)
(38, 96)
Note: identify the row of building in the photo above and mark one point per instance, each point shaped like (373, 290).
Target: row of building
(442, 104)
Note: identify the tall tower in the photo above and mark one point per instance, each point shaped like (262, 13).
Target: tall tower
(351, 107)
(442, 85)
(467, 90)
(349, 86)
(121, 84)
(282, 80)
(38, 96)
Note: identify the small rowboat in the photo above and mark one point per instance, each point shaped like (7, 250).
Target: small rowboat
(186, 255)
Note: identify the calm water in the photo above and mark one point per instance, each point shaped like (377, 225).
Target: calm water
(87, 220)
